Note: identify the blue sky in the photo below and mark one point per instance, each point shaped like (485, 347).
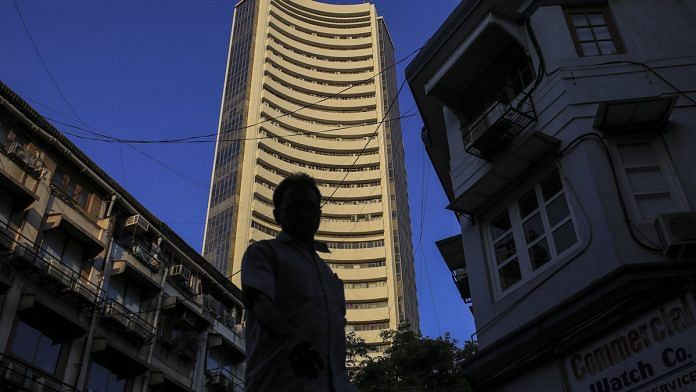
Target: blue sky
(155, 69)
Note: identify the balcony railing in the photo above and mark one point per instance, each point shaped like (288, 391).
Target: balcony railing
(25, 158)
(128, 323)
(148, 258)
(491, 132)
(222, 379)
(40, 265)
(17, 375)
(183, 343)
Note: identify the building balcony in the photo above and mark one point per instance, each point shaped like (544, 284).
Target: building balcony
(229, 336)
(81, 288)
(452, 251)
(183, 314)
(133, 262)
(183, 343)
(16, 375)
(222, 380)
(65, 214)
(25, 159)
(491, 132)
(129, 324)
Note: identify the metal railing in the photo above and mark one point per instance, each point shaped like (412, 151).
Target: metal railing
(16, 374)
(127, 321)
(225, 379)
(25, 158)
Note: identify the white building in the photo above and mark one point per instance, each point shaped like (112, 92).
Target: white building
(564, 133)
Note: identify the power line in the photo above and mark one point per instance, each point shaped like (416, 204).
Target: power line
(391, 104)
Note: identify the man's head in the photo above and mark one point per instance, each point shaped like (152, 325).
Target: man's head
(297, 206)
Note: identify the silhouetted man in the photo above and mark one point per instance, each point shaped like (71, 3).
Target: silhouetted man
(295, 337)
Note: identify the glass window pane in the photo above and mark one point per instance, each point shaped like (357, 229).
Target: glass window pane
(500, 224)
(539, 254)
(504, 248)
(607, 47)
(509, 274)
(579, 20)
(74, 255)
(528, 203)
(632, 154)
(533, 228)
(651, 206)
(557, 210)
(551, 185)
(647, 179)
(589, 49)
(98, 378)
(47, 354)
(25, 341)
(584, 34)
(596, 18)
(564, 237)
(6, 201)
(601, 33)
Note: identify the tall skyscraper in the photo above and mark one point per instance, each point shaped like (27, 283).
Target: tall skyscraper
(310, 87)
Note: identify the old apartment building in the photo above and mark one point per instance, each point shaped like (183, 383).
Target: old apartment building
(310, 87)
(563, 133)
(96, 293)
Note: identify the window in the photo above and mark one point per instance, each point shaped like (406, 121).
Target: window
(102, 379)
(64, 249)
(127, 294)
(531, 232)
(593, 31)
(31, 345)
(647, 178)
(77, 194)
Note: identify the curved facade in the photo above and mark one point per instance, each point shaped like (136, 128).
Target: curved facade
(301, 95)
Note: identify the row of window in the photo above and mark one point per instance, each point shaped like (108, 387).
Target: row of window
(299, 147)
(539, 227)
(318, 57)
(319, 20)
(319, 33)
(330, 244)
(271, 186)
(283, 113)
(341, 169)
(364, 285)
(354, 265)
(322, 184)
(366, 305)
(367, 327)
(317, 107)
(326, 96)
(339, 84)
(278, 29)
(322, 135)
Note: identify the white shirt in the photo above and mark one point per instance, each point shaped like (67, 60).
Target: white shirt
(311, 298)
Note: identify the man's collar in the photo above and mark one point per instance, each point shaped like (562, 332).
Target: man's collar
(318, 245)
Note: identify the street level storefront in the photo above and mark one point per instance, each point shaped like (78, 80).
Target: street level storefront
(654, 353)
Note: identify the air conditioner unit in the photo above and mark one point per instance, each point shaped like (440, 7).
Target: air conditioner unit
(26, 158)
(195, 284)
(180, 273)
(677, 232)
(137, 222)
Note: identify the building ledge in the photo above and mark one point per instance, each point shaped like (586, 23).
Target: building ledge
(607, 303)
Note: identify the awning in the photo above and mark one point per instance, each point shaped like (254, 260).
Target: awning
(634, 114)
(452, 250)
(64, 222)
(489, 183)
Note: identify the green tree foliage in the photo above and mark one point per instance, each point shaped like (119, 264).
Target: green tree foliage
(411, 363)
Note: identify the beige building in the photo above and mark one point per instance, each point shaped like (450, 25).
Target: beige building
(97, 293)
(308, 86)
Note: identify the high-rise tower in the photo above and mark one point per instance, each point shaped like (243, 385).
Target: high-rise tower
(308, 86)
